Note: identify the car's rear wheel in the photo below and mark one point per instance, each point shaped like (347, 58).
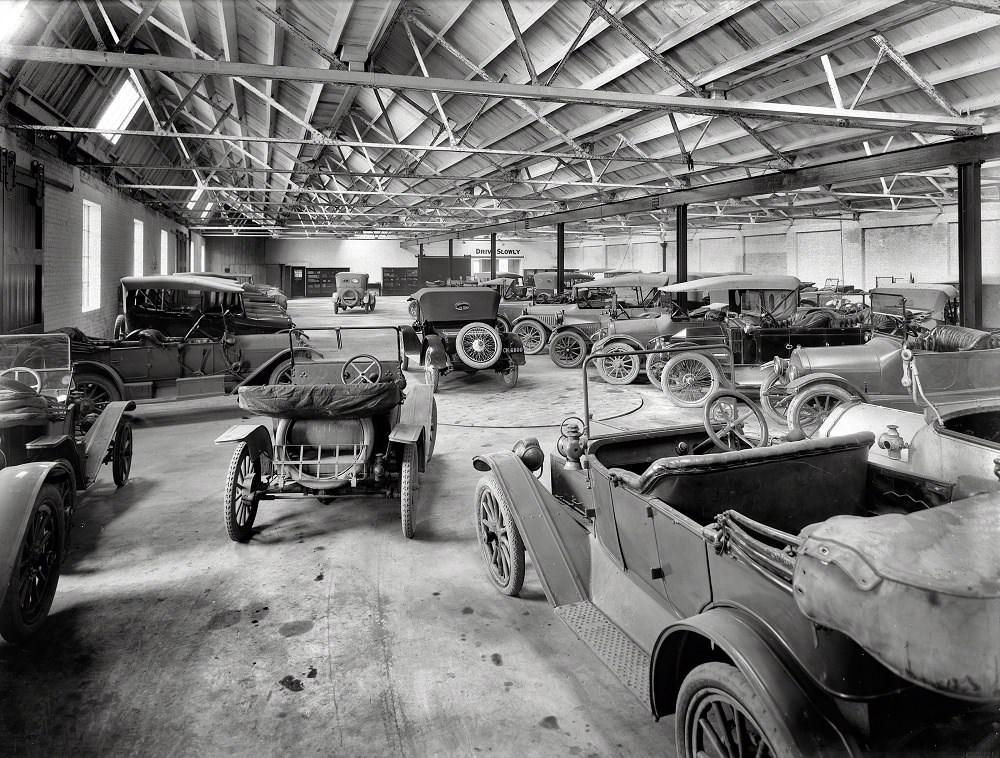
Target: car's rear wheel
(96, 392)
(499, 539)
(240, 498)
(408, 489)
(121, 454)
(811, 406)
(509, 377)
(28, 595)
(622, 368)
(533, 336)
(689, 378)
(282, 373)
(478, 345)
(719, 714)
(568, 349)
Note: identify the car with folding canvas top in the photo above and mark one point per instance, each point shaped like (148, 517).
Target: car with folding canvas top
(769, 597)
(458, 330)
(256, 294)
(918, 301)
(352, 292)
(173, 304)
(52, 445)
(343, 424)
(544, 289)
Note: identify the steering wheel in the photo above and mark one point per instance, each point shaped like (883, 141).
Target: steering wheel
(677, 311)
(358, 370)
(732, 409)
(197, 327)
(619, 311)
(15, 373)
(767, 319)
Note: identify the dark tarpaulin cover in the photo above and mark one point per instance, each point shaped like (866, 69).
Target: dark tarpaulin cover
(20, 405)
(320, 400)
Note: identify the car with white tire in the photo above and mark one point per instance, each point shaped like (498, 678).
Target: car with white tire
(459, 331)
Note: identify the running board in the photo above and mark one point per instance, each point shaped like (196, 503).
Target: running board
(616, 649)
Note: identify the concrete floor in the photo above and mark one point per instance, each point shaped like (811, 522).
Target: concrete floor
(329, 633)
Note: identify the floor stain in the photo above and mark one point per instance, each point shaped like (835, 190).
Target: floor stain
(319, 577)
(223, 620)
(497, 659)
(549, 722)
(312, 673)
(289, 682)
(293, 628)
(467, 610)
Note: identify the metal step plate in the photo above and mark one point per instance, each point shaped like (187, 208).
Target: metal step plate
(620, 654)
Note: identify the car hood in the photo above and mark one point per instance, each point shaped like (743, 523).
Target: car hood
(845, 359)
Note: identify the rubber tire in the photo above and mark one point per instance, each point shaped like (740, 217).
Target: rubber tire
(509, 377)
(654, 369)
(277, 371)
(429, 444)
(120, 329)
(509, 580)
(350, 298)
(672, 364)
(336, 307)
(13, 626)
(121, 456)
(101, 384)
(727, 679)
(240, 532)
(467, 359)
(581, 344)
(634, 363)
(814, 392)
(773, 413)
(405, 364)
(409, 483)
(534, 344)
(503, 325)
(432, 376)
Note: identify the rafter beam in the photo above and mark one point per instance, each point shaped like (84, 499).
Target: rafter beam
(519, 40)
(839, 117)
(900, 60)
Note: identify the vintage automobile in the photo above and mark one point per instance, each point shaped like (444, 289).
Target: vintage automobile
(352, 292)
(50, 448)
(514, 297)
(760, 320)
(148, 365)
(544, 288)
(458, 331)
(341, 426)
(916, 300)
(955, 363)
(266, 294)
(619, 297)
(768, 597)
(172, 304)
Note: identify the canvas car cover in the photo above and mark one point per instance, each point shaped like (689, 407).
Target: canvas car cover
(331, 401)
(920, 592)
(20, 405)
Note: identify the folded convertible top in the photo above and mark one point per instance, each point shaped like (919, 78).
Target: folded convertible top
(329, 401)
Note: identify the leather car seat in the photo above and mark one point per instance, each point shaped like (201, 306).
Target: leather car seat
(950, 338)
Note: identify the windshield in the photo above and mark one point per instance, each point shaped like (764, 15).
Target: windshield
(35, 359)
(916, 300)
(778, 303)
(339, 344)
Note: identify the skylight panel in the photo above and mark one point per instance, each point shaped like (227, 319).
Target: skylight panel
(195, 197)
(120, 111)
(11, 11)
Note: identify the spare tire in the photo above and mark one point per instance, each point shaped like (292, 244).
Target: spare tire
(350, 298)
(478, 345)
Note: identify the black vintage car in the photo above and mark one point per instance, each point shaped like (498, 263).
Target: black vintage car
(774, 599)
(174, 304)
(458, 331)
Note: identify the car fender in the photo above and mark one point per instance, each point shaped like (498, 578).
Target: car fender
(257, 437)
(725, 633)
(435, 350)
(406, 435)
(99, 436)
(823, 377)
(578, 328)
(411, 342)
(522, 319)
(102, 369)
(417, 413)
(19, 486)
(625, 339)
(512, 348)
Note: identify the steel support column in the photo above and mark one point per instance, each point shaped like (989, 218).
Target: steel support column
(970, 244)
(663, 255)
(560, 257)
(451, 259)
(682, 250)
(493, 256)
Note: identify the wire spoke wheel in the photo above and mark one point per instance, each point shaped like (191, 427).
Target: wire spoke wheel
(689, 378)
(478, 345)
(654, 368)
(499, 540)
(812, 405)
(241, 494)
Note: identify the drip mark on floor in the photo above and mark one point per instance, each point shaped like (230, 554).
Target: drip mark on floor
(295, 628)
(289, 682)
(549, 722)
(497, 659)
(467, 610)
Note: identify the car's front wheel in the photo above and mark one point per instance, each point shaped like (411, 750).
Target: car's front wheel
(812, 405)
(533, 336)
(719, 714)
(622, 368)
(240, 499)
(409, 483)
(689, 378)
(121, 454)
(28, 596)
(499, 539)
(96, 392)
(568, 349)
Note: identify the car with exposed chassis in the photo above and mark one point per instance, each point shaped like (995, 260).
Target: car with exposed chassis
(352, 292)
(759, 319)
(148, 365)
(51, 448)
(767, 596)
(344, 424)
(173, 304)
(458, 331)
(571, 333)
